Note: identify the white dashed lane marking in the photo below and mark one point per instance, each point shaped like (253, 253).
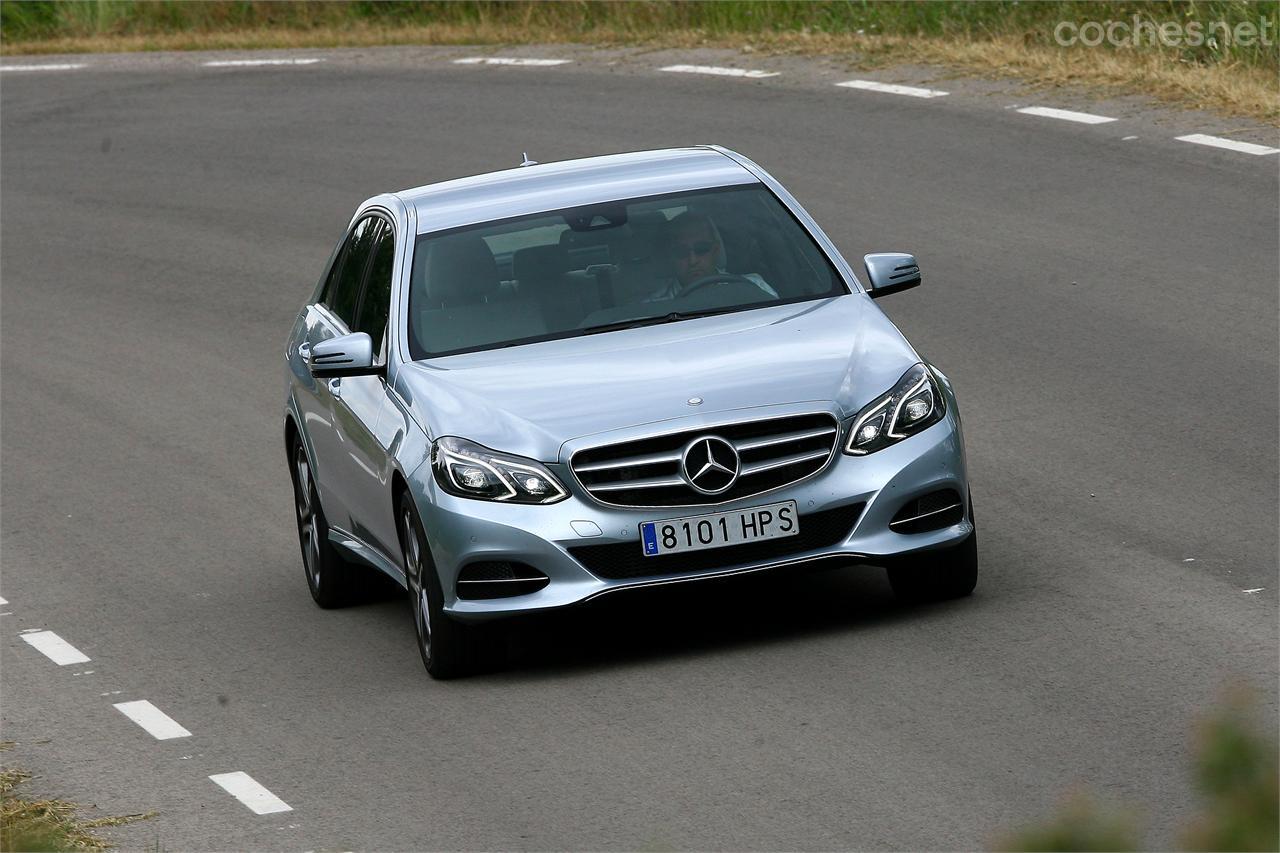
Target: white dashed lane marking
(240, 63)
(1229, 144)
(893, 89)
(1065, 115)
(719, 71)
(157, 723)
(60, 66)
(55, 648)
(509, 60)
(4, 602)
(245, 788)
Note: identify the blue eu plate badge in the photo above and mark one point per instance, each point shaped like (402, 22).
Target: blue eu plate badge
(649, 535)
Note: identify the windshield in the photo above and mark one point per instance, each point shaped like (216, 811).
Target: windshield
(595, 269)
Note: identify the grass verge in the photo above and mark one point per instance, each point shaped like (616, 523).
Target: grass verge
(1234, 763)
(54, 825)
(1004, 38)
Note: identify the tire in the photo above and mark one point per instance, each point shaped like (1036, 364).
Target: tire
(449, 648)
(937, 575)
(329, 577)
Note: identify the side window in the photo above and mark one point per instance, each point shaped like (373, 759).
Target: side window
(331, 279)
(376, 302)
(341, 297)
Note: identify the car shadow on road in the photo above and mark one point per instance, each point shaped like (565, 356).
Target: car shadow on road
(687, 620)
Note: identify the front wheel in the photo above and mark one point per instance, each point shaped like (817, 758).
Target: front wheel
(328, 575)
(937, 575)
(448, 647)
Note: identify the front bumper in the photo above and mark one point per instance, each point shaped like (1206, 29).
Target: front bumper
(463, 531)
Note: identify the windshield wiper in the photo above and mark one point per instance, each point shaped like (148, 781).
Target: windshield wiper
(636, 323)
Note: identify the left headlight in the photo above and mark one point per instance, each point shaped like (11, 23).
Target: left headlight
(914, 403)
(468, 470)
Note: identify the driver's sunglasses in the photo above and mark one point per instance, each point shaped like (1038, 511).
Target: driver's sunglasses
(680, 251)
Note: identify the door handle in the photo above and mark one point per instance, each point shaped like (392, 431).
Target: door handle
(335, 387)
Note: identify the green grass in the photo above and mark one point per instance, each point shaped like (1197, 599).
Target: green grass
(44, 20)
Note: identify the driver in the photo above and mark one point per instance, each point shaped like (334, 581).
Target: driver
(697, 253)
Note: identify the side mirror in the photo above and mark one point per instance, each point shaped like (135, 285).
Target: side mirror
(347, 355)
(889, 272)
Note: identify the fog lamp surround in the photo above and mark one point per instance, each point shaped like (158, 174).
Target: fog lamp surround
(912, 405)
(470, 470)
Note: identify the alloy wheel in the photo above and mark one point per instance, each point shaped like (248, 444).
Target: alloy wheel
(418, 586)
(308, 534)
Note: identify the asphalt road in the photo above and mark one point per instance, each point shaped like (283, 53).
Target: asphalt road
(1107, 310)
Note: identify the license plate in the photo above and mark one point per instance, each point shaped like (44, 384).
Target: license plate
(718, 529)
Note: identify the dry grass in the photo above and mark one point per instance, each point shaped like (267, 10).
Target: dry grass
(1230, 88)
(33, 825)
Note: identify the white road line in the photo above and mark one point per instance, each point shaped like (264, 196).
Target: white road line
(157, 723)
(244, 788)
(62, 66)
(509, 60)
(1252, 591)
(4, 602)
(719, 71)
(236, 63)
(1065, 115)
(893, 89)
(55, 648)
(1229, 144)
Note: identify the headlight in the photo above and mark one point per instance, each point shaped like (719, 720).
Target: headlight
(912, 405)
(468, 470)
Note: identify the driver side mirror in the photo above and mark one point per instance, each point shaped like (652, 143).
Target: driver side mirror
(889, 272)
(346, 355)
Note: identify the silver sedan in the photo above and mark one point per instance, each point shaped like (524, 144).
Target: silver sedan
(527, 389)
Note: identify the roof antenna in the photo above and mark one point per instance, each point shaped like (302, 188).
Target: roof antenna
(527, 161)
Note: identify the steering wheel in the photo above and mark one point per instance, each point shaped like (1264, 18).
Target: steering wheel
(718, 278)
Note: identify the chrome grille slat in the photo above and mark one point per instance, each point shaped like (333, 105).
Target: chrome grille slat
(780, 439)
(630, 462)
(651, 483)
(647, 472)
(761, 467)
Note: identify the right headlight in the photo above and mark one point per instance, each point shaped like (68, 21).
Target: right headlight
(470, 470)
(913, 404)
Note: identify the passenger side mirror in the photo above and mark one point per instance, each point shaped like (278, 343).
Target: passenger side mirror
(889, 272)
(347, 355)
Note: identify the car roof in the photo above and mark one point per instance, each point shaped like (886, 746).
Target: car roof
(570, 183)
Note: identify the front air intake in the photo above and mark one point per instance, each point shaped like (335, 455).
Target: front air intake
(499, 580)
(933, 511)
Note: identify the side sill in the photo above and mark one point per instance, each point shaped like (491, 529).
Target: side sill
(367, 554)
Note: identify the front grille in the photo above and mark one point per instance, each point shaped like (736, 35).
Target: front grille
(647, 472)
(499, 580)
(933, 511)
(623, 561)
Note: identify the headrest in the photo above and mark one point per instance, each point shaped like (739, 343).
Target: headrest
(460, 270)
(539, 263)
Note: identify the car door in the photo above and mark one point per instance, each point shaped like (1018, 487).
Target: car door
(359, 406)
(330, 317)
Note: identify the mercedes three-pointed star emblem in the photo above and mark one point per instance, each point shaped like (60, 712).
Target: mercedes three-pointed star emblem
(710, 464)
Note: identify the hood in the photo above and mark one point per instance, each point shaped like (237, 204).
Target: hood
(531, 399)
